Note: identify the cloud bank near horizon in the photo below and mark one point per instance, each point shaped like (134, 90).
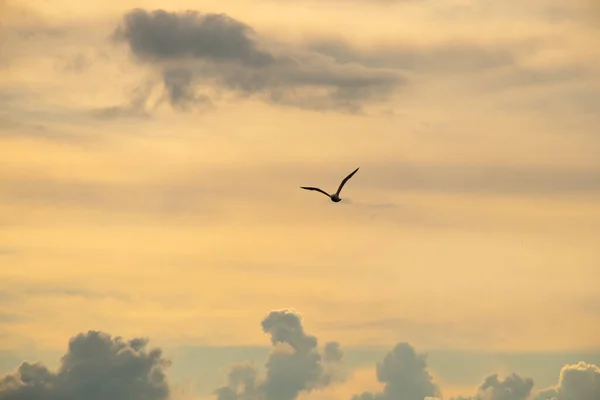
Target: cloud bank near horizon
(98, 366)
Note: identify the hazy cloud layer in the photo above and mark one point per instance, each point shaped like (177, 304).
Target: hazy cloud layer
(451, 57)
(203, 56)
(95, 367)
(489, 179)
(294, 365)
(178, 195)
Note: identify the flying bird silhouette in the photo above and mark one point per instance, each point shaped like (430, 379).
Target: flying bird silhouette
(336, 196)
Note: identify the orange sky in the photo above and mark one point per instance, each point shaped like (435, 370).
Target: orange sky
(473, 221)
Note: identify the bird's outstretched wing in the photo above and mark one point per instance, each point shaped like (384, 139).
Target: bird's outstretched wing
(345, 180)
(317, 189)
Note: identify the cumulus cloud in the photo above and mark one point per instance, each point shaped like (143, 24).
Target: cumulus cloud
(333, 352)
(405, 376)
(294, 365)
(512, 387)
(577, 382)
(203, 56)
(95, 367)
(98, 366)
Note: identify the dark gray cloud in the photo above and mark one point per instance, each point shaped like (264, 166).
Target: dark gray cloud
(512, 387)
(179, 87)
(294, 365)
(580, 381)
(95, 367)
(194, 51)
(405, 376)
(162, 35)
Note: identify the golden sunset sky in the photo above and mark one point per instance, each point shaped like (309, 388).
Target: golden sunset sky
(151, 164)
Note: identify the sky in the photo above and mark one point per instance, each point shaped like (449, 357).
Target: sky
(155, 243)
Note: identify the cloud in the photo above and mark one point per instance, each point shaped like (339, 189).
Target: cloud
(201, 57)
(577, 382)
(512, 387)
(95, 367)
(163, 35)
(405, 375)
(98, 366)
(495, 66)
(333, 352)
(580, 381)
(135, 107)
(447, 58)
(294, 365)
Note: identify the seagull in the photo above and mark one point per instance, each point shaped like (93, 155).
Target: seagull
(336, 196)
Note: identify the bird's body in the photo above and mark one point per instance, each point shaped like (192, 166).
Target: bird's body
(335, 197)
